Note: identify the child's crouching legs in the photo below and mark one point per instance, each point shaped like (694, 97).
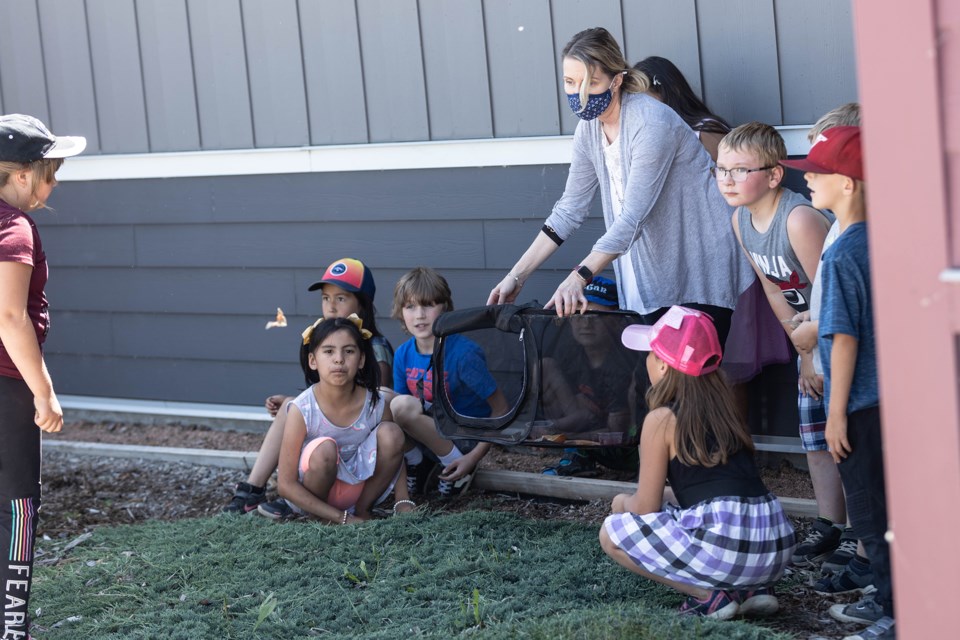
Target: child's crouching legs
(390, 441)
(408, 412)
(620, 557)
(321, 470)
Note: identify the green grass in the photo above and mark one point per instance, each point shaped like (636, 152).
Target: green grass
(475, 574)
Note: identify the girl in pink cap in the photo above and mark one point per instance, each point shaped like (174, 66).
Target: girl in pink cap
(726, 540)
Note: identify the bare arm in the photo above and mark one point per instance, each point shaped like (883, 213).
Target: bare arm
(536, 254)
(655, 438)
(20, 340)
(843, 361)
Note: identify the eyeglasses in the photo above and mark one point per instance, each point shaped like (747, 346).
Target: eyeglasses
(739, 174)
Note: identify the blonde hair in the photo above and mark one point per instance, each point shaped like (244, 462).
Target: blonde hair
(598, 50)
(758, 138)
(709, 427)
(847, 115)
(42, 171)
(421, 285)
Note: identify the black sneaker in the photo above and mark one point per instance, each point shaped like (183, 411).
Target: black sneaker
(418, 476)
(246, 499)
(840, 558)
(823, 540)
(278, 509)
(882, 629)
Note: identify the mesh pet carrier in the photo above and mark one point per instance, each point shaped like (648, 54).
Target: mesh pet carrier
(567, 381)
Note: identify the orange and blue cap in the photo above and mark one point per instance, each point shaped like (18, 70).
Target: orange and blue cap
(350, 275)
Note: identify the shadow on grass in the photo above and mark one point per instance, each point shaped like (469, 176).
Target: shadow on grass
(491, 575)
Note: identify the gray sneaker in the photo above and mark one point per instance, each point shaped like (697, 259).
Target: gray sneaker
(882, 629)
(856, 577)
(864, 611)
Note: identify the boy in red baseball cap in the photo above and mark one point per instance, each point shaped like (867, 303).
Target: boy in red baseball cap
(834, 174)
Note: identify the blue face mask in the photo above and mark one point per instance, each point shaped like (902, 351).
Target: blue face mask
(596, 104)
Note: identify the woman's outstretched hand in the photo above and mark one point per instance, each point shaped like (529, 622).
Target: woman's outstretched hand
(505, 292)
(568, 299)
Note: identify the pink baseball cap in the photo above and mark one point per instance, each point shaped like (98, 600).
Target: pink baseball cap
(836, 150)
(683, 338)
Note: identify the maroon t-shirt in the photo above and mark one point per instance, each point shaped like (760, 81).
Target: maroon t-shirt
(20, 242)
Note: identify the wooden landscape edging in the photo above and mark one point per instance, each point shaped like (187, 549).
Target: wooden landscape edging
(567, 488)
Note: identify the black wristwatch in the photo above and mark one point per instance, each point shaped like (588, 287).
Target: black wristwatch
(584, 274)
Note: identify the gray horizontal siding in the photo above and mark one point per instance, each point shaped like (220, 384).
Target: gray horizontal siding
(158, 278)
(172, 75)
(459, 193)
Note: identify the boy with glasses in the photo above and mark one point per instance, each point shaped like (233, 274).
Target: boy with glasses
(782, 235)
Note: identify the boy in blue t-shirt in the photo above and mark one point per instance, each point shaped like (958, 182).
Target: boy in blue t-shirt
(834, 174)
(419, 298)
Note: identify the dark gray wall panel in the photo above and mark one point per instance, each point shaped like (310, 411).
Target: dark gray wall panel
(334, 73)
(249, 291)
(186, 380)
(91, 246)
(220, 67)
(523, 68)
(168, 75)
(738, 51)
(393, 70)
(455, 62)
(815, 79)
(66, 57)
(201, 337)
(115, 51)
(300, 244)
(275, 65)
(665, 28)
(437, 194)
(81, 332)
(21, 60)
(571, 17)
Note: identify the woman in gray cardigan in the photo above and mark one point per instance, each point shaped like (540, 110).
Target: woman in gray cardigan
(668, 233)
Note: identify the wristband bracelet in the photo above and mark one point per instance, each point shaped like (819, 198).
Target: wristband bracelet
(550, 233)
(343, 520)
(516, 278)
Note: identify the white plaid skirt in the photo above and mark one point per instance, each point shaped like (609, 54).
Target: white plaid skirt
(724, 543)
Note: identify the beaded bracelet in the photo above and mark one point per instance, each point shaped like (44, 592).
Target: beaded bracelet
(344, 519)
(400, 502)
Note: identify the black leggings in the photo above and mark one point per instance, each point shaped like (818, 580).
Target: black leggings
(19, 501)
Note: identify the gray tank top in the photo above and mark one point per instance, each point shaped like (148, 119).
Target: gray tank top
(772, 253)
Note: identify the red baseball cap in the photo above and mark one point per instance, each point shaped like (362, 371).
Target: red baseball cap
(836, 150)
(350, 275)
(683, 338)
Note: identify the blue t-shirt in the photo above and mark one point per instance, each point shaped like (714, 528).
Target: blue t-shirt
(847, 308)
(468, 381)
